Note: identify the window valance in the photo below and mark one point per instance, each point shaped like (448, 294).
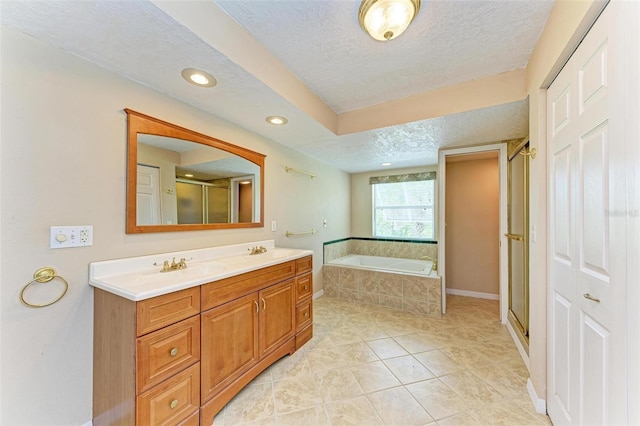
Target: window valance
(410, 177)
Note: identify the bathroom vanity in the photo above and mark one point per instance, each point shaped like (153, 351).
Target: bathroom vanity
(174, 347)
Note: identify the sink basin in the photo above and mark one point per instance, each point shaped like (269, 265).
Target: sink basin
(193, 271)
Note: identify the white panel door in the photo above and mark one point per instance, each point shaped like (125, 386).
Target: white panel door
(587, 252)
(148, 196)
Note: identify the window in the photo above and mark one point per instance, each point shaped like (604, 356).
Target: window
(403, 206)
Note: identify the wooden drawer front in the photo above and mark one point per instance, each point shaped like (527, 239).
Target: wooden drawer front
(304, 264)
(304, 315)
(192, 420)
(172, 401)
(155, 313)
(223, 291)
(165, 352)
(304, 287)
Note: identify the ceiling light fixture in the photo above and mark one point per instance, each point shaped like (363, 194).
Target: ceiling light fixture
(387, 19)
(199, 77)
(385, 164)
(277, 120)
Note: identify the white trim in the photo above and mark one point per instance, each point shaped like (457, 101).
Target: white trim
(516, 340)
(89, 423)
(538, 403)
(318, 293)
(476, 294)
(504, 263)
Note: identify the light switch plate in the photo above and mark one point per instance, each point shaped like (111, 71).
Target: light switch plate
(70, 236)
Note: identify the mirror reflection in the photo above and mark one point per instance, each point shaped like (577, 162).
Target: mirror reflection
(181, 180)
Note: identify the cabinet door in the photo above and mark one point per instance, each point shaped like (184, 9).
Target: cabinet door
(277, 315)
(229, 343)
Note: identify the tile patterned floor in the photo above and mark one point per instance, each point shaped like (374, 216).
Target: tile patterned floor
(369, 365)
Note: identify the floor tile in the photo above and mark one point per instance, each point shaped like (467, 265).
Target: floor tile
(396, 406)
(295, 394)
(357, 411)
(374, 376)
(438, 362)
(386, 348)
(372, 365)
(437, 398)
(408, 369)
(337, 384)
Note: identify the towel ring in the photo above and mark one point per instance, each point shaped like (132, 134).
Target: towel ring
(43, 275)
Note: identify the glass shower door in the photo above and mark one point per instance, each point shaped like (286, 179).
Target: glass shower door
(518, 224)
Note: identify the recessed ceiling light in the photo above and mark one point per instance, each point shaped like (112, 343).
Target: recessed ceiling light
(385, 164)
(277, 120)
(199, 77)
(188, 175)
(245, 182)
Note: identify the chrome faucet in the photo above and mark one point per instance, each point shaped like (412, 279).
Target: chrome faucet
(257, 250)
(166, 267)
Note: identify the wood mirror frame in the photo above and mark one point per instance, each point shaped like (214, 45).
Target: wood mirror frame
(138, 123)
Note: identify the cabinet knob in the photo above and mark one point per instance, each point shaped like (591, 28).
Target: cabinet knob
(306, 314)
(174, 403)
(306, 287)
(173, 352)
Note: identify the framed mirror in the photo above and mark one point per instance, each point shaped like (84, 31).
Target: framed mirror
(181, 180)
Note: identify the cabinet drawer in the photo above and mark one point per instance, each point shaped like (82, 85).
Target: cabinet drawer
(223, 291)
(171, 402)
(304, 287)
(155, 313)
(165, 352)
(304, 264)
(304, 314)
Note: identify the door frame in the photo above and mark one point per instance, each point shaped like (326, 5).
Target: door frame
(502, 225)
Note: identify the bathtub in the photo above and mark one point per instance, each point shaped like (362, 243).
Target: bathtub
(406, 284)
(411, 266)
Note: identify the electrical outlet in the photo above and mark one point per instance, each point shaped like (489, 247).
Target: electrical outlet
(71, 236)
(274, 226)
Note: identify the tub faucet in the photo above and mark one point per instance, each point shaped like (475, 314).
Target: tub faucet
(434, 262)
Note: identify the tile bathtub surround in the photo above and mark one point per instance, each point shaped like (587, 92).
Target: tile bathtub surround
(406, 292)
(371, 365)
(376, 247)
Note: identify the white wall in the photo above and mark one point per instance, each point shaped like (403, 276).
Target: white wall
(63, 153)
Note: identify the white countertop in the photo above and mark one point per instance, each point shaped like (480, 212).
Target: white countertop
(139, 278)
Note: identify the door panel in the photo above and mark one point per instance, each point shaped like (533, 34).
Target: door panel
(587, 319)
(148, 195)
(518, 224)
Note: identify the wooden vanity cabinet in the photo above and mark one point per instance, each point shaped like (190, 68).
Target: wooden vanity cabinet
(146, 359)
(177, 359)
(242, 337)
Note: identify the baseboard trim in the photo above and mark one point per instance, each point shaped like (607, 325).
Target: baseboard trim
(318, 293)
(518, 343)
(476, 294)
(538, 403)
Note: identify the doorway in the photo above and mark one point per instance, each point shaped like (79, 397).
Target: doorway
(500, 239)
(472, 222)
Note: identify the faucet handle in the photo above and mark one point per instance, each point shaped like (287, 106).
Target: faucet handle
(182, 264)
(165, 266)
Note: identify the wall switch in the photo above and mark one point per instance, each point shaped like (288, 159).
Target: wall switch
(274, 226)
(70, 236)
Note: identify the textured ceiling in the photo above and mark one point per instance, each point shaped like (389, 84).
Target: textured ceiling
(320, 43)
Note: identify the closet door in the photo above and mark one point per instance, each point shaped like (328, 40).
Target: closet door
(587, 252)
